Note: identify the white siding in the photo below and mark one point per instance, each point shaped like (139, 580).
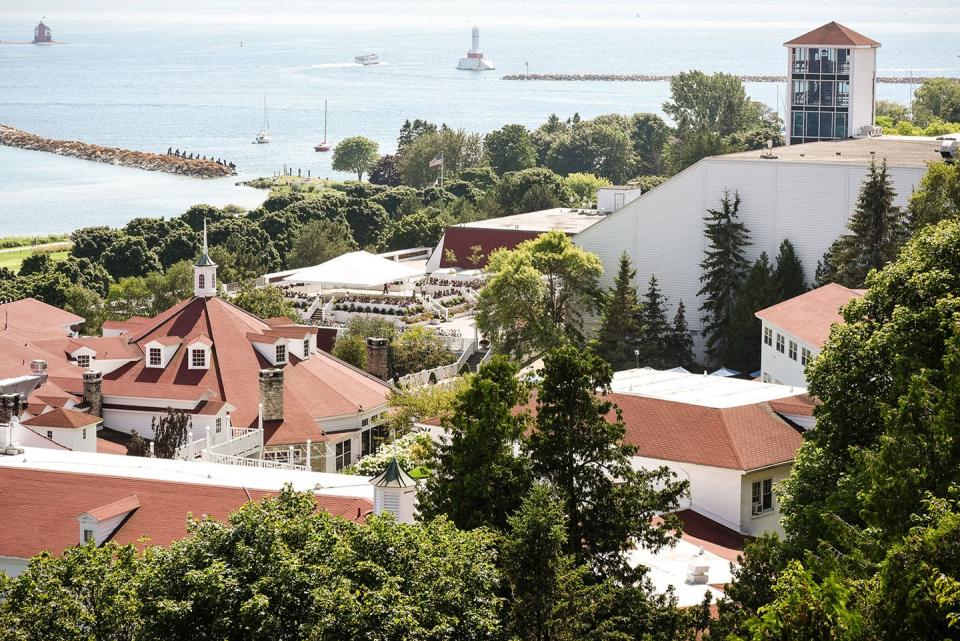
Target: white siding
(12, 566)
(779, 367)
(769, 521)
(662, 231)
(863, 71)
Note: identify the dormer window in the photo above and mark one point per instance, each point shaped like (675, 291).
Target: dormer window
(306, 347)
(156, 357)
(281, 354)
(83, 360)
(198, 358)
(87, 535)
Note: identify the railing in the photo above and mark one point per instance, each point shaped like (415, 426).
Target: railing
(307, 315)
(437, 307)
(191, 451)
(254, 462)
(415, 253)
(243, 441)
(444, 372)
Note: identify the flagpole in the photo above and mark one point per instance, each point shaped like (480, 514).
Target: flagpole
(442, 159)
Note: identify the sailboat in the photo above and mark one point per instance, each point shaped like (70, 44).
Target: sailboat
(323, 146)
(264, 136)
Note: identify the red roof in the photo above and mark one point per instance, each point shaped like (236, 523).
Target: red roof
(63, 418)
(41, 508)
(741, 438)
(105, 347)
(833, 34)
(31, 316)
(116, 508)
(109, 447)
(809, 316)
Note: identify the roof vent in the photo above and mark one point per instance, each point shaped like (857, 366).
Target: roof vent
(838, 153)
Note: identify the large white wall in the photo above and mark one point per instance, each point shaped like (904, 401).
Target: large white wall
(662, 231)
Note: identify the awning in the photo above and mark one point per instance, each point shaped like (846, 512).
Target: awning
(360, 269)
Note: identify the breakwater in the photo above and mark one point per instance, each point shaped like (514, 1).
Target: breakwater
(12, 137)
(640, 77)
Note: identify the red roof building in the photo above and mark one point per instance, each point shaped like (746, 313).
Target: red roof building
(832, 34)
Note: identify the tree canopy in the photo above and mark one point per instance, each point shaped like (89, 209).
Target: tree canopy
(356, 154)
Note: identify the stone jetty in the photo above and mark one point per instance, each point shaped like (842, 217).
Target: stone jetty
(640, 77)
(12, 137)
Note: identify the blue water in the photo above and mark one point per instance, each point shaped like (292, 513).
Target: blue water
(175, 74)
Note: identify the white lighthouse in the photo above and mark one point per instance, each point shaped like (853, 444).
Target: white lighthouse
(475, 60)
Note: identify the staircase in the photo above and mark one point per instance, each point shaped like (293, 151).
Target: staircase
(473, 363)
(317, 315)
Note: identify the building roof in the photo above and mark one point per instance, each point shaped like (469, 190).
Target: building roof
(115, 508)
(747, 437)
(31, 316)
(393, 476)
(899, 151)
(833, 34)
(62, 417)
(105, 347)
(695, 389)
(571, 221)
(41, 507)
(810, 316)
(359, 269)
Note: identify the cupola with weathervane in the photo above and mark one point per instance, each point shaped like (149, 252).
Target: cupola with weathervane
(205, 272)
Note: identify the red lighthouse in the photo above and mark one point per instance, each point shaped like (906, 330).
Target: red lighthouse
(42, 34)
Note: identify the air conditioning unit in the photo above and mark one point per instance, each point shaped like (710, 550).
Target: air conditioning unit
(757, 509)
(950, 149)
(870, 131)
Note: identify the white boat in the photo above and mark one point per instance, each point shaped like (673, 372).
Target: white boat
(367, 59)
(264, 136)
(323, 146)
(475, 60)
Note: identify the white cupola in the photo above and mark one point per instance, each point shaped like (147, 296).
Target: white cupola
(395, 492)
(205, 272)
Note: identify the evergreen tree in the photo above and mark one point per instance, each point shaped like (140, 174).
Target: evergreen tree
(680, 343)
(788, 277)
(654, 327)
(724, 268)
(578, 448)
(877, 229)
(757, 292)
(619, 331)
(478, 477)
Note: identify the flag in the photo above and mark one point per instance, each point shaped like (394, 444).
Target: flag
(437, 160)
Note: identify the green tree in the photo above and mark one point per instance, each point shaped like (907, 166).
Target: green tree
(703, 103)
(654, 327)
(88, 304)
(92, 242)
(683, 152)
(936, 198)
(351, 345)
(584, 188)
(36, 263)
(535, 295)
(724, 268)
(618, 333)
(266, 302)
(578, 448)
(648, 134)
(788, 276)
(937, 99)
(877, 230)
(479, 477)
(417, 349)
(409, 405)
(460, 150)
(367, 221)
(319, 241)
(410, 131)
(356, 154)
(895, 111)
(196, 215)
(180, 244)
(82, 271)
(129, 256)
(510, 149)
(386, 171)
(421, 229)
(758, 291)
(680, 342)
(531, 190)
(170, 432)
(601, 146)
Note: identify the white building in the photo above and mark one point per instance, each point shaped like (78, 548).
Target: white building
(74, 430)
(804, 193)
(474, 60)
(732, 439)
(795, 330)
(54, 499)
(831, 84)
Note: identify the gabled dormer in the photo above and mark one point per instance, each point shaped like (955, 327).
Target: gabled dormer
(199, 351)
(204, 272)
(272, 348)
(99, 524)
(159, 351)
(83, 356)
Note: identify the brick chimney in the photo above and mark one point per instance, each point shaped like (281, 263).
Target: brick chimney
(271, 394)
(378, 350)
(93, 392)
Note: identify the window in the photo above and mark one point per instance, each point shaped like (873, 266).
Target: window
(198, 358)
(84, 434)
(365, 422)
(762, 496)
(306, 348)
(793, 351)
(83, 360)
(156, 357)
(798, 123)
(87, 535)
(281, 353)
(213, 280)
(804, 356)
(50, 434)
(780, 343)
(840, 126)
(767, 336)
(219, 425)
(343, 454)
(366, 442)
(766, 377)
(201, 281)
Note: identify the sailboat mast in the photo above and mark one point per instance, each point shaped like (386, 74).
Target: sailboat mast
(324, 120)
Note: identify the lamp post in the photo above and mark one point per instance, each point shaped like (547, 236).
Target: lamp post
(636, 356)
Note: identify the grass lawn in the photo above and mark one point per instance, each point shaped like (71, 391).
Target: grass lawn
(11, 259)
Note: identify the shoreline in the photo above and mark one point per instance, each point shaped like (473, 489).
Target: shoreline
(639, 77)
(17, 138)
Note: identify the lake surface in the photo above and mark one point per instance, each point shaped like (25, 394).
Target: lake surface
(172, 75)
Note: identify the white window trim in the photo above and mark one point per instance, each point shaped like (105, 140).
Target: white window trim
(150, 352)
(279, 357)
(757, 501)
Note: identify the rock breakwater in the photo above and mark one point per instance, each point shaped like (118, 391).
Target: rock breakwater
(640, 77)
(12, 137)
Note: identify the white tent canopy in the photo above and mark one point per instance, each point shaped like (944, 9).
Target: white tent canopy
(358, 270)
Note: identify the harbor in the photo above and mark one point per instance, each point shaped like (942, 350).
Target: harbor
(642, 77)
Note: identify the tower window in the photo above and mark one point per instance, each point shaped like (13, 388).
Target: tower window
(201, 281)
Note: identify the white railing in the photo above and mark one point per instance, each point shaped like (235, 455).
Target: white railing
(253, 462)
(442, 373)
(307, 315)
(243, 441)
(191, 451)
(416, 253)
(437, 307)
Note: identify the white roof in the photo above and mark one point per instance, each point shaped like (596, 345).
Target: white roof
(670, 565)
(199, 472)
(358, 269)
(697, 389)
